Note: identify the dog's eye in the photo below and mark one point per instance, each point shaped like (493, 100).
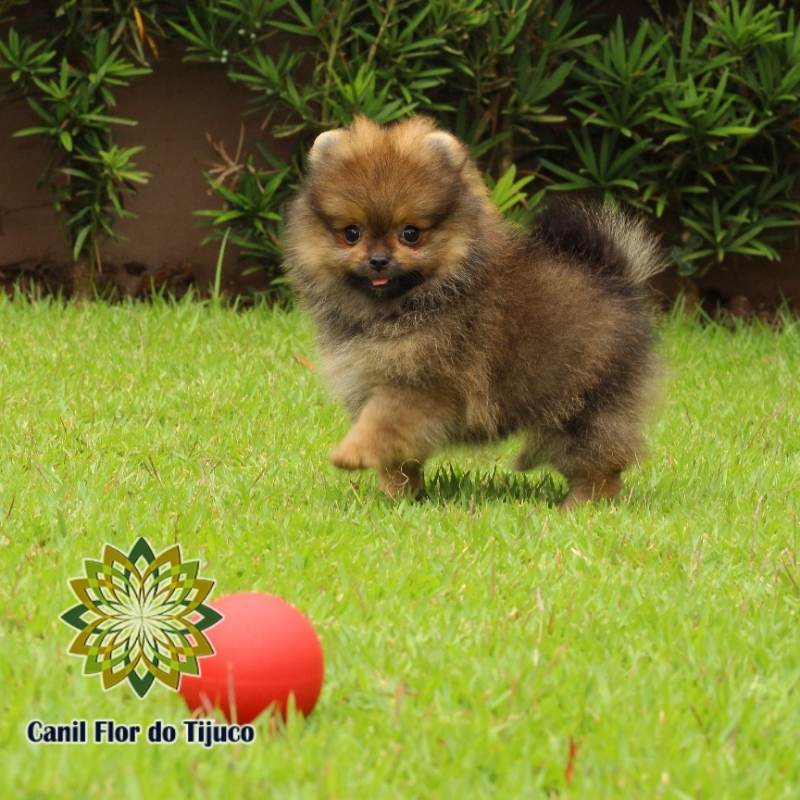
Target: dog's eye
(410, 234)
(352, 234)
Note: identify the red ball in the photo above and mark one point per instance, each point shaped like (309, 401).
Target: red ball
(264, 651)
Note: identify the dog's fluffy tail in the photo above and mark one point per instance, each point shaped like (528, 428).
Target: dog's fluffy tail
(603, 239)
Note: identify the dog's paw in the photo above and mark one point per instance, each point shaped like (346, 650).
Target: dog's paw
(588, 491)
(403, 481)
(348, 455)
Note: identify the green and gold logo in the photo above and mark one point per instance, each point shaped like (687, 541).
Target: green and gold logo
(141, 617)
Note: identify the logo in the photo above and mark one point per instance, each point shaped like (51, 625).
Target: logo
(141, 617)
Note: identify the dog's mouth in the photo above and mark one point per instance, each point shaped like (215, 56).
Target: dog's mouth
(386, 286)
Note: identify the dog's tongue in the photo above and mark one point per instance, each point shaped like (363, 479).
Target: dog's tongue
(380, 281)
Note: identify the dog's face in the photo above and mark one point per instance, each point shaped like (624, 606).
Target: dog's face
(384, 210)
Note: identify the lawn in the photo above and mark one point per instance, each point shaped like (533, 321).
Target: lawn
(478, 644)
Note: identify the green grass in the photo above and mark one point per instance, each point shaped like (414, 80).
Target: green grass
(468, 639)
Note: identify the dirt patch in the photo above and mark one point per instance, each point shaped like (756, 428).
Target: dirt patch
(132, 279)
(136, 280)
(742, 289)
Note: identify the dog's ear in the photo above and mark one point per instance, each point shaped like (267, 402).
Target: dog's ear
(448, 147)
(324, 145)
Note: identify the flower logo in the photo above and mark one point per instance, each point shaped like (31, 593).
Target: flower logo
(141, 617)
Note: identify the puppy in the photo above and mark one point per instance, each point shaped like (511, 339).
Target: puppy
(438, 322)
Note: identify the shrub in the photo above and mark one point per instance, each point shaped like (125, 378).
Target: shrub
(68, 79)
(486, 69)
(692, 119)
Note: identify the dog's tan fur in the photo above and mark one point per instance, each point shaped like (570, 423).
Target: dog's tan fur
(482, 329)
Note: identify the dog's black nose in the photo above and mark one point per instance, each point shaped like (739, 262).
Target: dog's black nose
(379, 263)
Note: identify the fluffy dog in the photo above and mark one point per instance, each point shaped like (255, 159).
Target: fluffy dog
(438, 322)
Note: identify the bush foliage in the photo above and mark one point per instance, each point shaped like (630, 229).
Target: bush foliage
(690, 118)
(696, 118)
(69, 78)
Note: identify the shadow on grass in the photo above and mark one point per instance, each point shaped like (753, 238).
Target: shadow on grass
(445, 486)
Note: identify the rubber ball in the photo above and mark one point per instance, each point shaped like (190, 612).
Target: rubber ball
(265, 651)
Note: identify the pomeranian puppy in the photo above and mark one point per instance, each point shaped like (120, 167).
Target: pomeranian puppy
(438, 322)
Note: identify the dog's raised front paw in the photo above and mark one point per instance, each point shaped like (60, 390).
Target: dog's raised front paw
(347, 455)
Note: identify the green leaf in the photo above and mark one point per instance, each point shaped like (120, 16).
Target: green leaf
(30, 132)
(80, 239)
